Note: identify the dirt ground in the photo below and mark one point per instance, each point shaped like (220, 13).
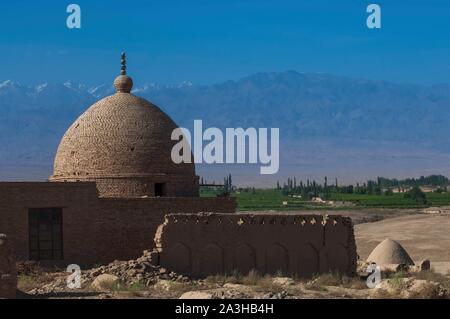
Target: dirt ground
(424, 236)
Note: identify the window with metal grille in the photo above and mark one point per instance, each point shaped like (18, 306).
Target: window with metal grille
(45, 233)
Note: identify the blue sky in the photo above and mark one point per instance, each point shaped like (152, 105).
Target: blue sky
(212, 41)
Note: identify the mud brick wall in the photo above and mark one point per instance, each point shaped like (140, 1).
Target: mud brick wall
(8, 273)
(95, 230)
(207, 244)
(130, 225)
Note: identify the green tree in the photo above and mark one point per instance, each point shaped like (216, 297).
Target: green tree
(416, 195)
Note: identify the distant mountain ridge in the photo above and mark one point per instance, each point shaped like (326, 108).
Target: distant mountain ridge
(302, 105)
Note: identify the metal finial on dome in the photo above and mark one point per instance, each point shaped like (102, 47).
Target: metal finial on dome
(123, 83)
(123, 62)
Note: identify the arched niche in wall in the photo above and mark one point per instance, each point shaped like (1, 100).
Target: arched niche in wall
(244, 259)
(211, 260)
(307, 261)
(277, 259)
(337, 258)
(178, 258)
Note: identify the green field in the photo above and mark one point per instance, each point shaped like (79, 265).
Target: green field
(272, 199)
(392, 201)
(267, 199)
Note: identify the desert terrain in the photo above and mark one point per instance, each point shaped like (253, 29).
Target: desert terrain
(424, 236)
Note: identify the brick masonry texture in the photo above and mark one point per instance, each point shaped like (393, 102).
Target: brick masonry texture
(8, 273)
(95, 229)
(124, 142)
(208, 244)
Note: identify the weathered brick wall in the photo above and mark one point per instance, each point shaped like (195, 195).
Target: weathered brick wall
(122, 187)
(130, 225)
(8, 273)
(95, 230)
(208, 244)
(175, 186)
(17, 197)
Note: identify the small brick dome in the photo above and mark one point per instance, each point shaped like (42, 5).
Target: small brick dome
(123, 142)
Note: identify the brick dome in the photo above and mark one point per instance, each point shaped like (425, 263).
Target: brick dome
(123, 142)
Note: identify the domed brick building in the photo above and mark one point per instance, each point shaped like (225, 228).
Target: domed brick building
(123, 143)
(113, 181)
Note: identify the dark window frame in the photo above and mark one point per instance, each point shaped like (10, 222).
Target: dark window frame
(51, 218)
(160, 190)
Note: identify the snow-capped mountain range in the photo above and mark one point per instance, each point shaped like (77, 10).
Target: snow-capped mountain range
(305, 106)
